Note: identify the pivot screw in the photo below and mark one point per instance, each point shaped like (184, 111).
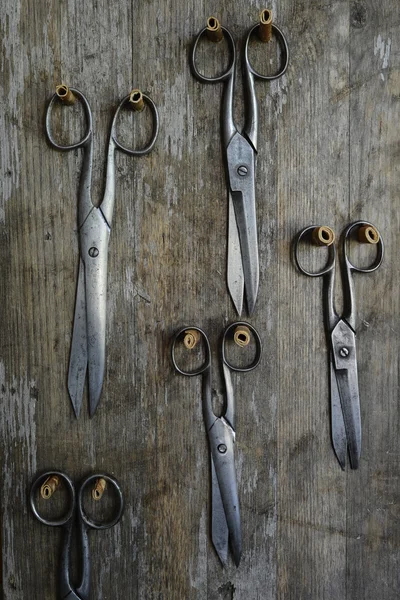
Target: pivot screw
(242, 171)
(222, 448)
(344, 351)
(93, 252)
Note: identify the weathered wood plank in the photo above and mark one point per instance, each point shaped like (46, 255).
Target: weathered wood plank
(328, 152)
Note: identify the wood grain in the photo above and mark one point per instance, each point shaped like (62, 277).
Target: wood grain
(329, 154)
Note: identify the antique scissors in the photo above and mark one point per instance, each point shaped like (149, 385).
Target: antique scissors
(47, 484)
(94, 226)
(240, 150)
(221, 434)
(341, 332)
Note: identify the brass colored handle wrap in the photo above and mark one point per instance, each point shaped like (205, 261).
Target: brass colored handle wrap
(367, 234)
(136, 100)
(49, 487)
(65, 94)
(242, 336)
(265, 28)
(191, 338)
(214, 30)
(99, 488)
(323, 236)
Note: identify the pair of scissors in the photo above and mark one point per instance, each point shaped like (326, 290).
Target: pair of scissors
(240, 150)
(94, 226)
(341, 332)
(46, 484)
(221, 436)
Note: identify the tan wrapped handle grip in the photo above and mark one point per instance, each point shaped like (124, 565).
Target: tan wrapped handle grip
(65, 95)
(265, 28)
(323, 236)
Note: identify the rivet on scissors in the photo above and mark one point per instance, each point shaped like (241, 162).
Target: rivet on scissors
(136, 100)
(241, 336)
(323, 236)
(344, 352)
(222, 448)
(367, 234)
(214, 30)
(93, 252)
(65, 94)
(49, 487)
(191, 339)
(99, 488)
(242, 170)
(265, 28)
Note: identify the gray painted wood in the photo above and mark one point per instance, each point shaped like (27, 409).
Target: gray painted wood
(328, 153)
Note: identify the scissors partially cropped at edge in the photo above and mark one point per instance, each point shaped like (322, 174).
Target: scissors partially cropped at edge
(221, 435)
(75, 513)
(240, 151)
(341, 332)
(94, 226)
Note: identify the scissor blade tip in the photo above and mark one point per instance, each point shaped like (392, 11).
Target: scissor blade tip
(236, 557)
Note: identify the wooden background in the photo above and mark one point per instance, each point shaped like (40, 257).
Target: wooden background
(329, 153)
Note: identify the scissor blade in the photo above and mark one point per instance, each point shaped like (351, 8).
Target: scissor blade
(95, 235)
(241, 168)
(235, 275)
(221, 437)
(78, 356)
(219, 527)
(345, 362)
(339, 439)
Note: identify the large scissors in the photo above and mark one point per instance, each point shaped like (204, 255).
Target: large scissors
(341, 332)
(94, 226)
(221, 436)
(240, 151)
(46, 484)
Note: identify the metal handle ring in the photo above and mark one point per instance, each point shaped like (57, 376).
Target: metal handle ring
(379, 251)
(207, 361)
(89, 122)
(331, 255)
(228, 331)
(156, 123)
(71, 489)
(100, 524)
(228, 73)
(285, 54)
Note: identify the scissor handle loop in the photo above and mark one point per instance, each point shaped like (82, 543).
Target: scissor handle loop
(91, 522)
(71, 489)
(379, 251)
(89, 123)
(229, 71)
(331, 255)
(156, 123)
(229, 332)
(207, 360)
(285, 54)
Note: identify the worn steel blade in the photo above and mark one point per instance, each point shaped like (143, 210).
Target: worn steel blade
(235, 276)
(78, 355)
(339, 439)
(219, 527)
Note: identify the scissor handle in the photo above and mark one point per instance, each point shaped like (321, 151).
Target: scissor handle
(89, 122)
(280, 36)
(207, 360)
(231, 67)
(71, 489)
(91, 523)
(149, 146)
(330, 266)
(379, 248)
(228, 333)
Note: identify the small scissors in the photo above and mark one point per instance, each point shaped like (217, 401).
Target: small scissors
(75, 512)
(240, 155)
(94, 226)
(221, 437)
(341, 332)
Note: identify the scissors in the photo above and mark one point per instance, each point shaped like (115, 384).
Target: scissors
(94, 226)
(341, 332)
(240, 150)
(221, 436)
(74, 513)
